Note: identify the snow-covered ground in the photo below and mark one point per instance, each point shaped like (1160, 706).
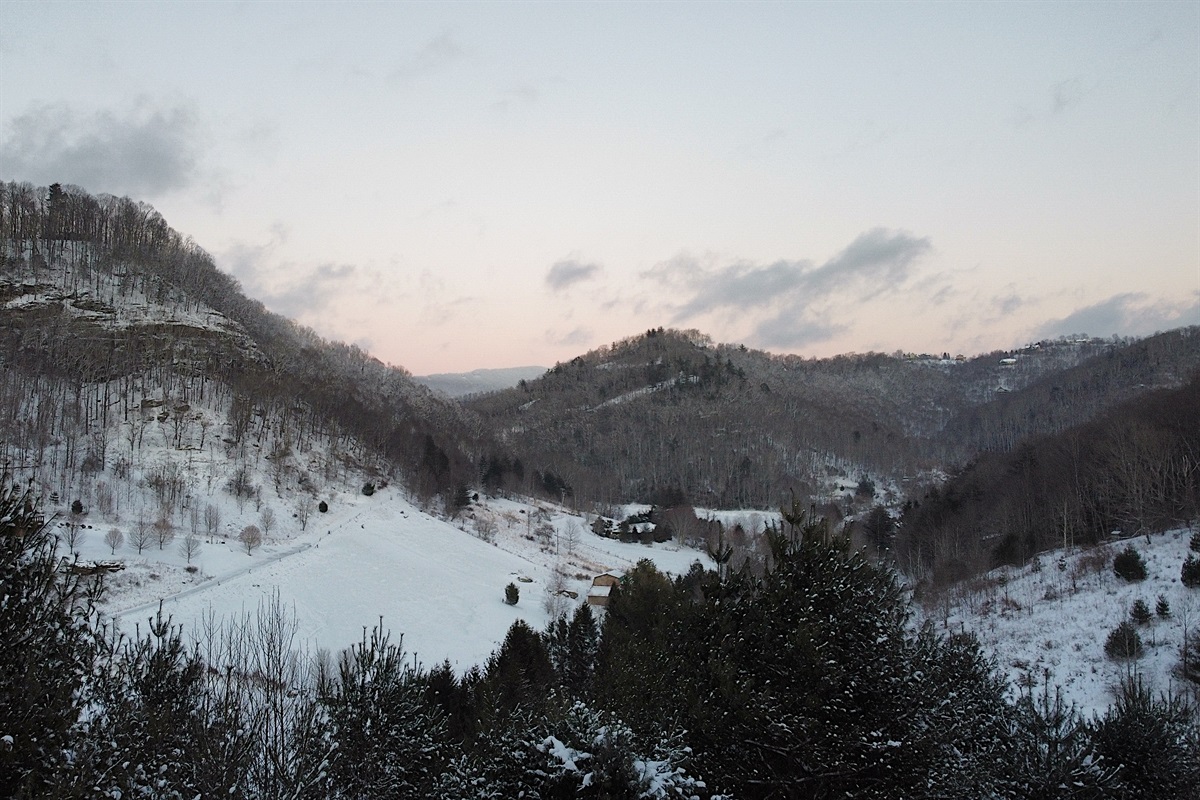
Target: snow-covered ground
(439, 585)
(1050, 622)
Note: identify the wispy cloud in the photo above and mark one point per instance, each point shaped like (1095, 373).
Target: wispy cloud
(879, 259)
(304, 291)
(147, 150)
(797, 295)
(432, 57)
(523, 95)
(570, 271)
(576, 337)
(1129, 314)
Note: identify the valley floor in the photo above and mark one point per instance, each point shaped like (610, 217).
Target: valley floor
(381, 557)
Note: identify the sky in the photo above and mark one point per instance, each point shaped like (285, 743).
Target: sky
(454, 186)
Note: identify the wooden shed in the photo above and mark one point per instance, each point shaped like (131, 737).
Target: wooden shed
(602, 586)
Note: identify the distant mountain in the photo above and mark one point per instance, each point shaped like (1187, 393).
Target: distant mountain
(478, 381)
(669, 415)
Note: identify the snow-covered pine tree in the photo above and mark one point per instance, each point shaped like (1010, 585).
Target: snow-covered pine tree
(390, 738)
(47, 647)
(1154, 741)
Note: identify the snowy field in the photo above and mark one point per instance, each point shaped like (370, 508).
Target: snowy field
(440, 586)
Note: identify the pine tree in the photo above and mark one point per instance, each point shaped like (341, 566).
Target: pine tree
(390, 739)
(47, 647)
(582, 643)
(1128, 565)
(1123, 642)
(1140, 612)
(1155, 741)
(519, 674)
(1189, 574)
(152, 731)
(1053, 749)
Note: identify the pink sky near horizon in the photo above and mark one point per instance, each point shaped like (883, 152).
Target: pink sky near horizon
(489, 185)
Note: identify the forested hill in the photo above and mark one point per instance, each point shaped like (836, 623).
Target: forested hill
(1131, 470)
(106, 309)
(669, 415)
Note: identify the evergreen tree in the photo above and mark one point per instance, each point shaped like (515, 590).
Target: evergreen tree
(390, 739)
(1189, 574)
(1155, 743)
(1140, 612)
(1123, 642)
(151, 730)
(1128, 565)
(47, 648)
(1053, 754)
(583, 639)
(519, 674)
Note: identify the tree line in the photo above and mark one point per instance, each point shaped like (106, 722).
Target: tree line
(804, 681)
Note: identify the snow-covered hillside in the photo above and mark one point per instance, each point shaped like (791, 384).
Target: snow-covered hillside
(439, 585)
(1048, 622)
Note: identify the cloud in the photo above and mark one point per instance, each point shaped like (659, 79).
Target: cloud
(147, 150)
(1128, 314)
(791, 329)
(1066, 94)
(881, 260)
(523, 95)
(570, 271)
(578, 337)
(305, 290)
(434, 56)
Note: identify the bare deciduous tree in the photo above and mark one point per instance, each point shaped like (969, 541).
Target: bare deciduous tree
(189, 548)
(250, 537)
(267, 518)
(212, 519)
(571, 535)
(141, 535)
(164, 531)
(104, 499)
(114, 538)
(304, 511)
(74, 533)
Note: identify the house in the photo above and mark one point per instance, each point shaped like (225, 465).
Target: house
(602, 586)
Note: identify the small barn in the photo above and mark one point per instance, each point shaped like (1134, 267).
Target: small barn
(602, 586)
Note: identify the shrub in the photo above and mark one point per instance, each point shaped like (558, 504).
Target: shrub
(77, 507)
(368, 489)
(512, 594)
(1194, 543)
(1123, 643)
(1189, 575)
(322, 506)
(1140, 613)
(1129, 565)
